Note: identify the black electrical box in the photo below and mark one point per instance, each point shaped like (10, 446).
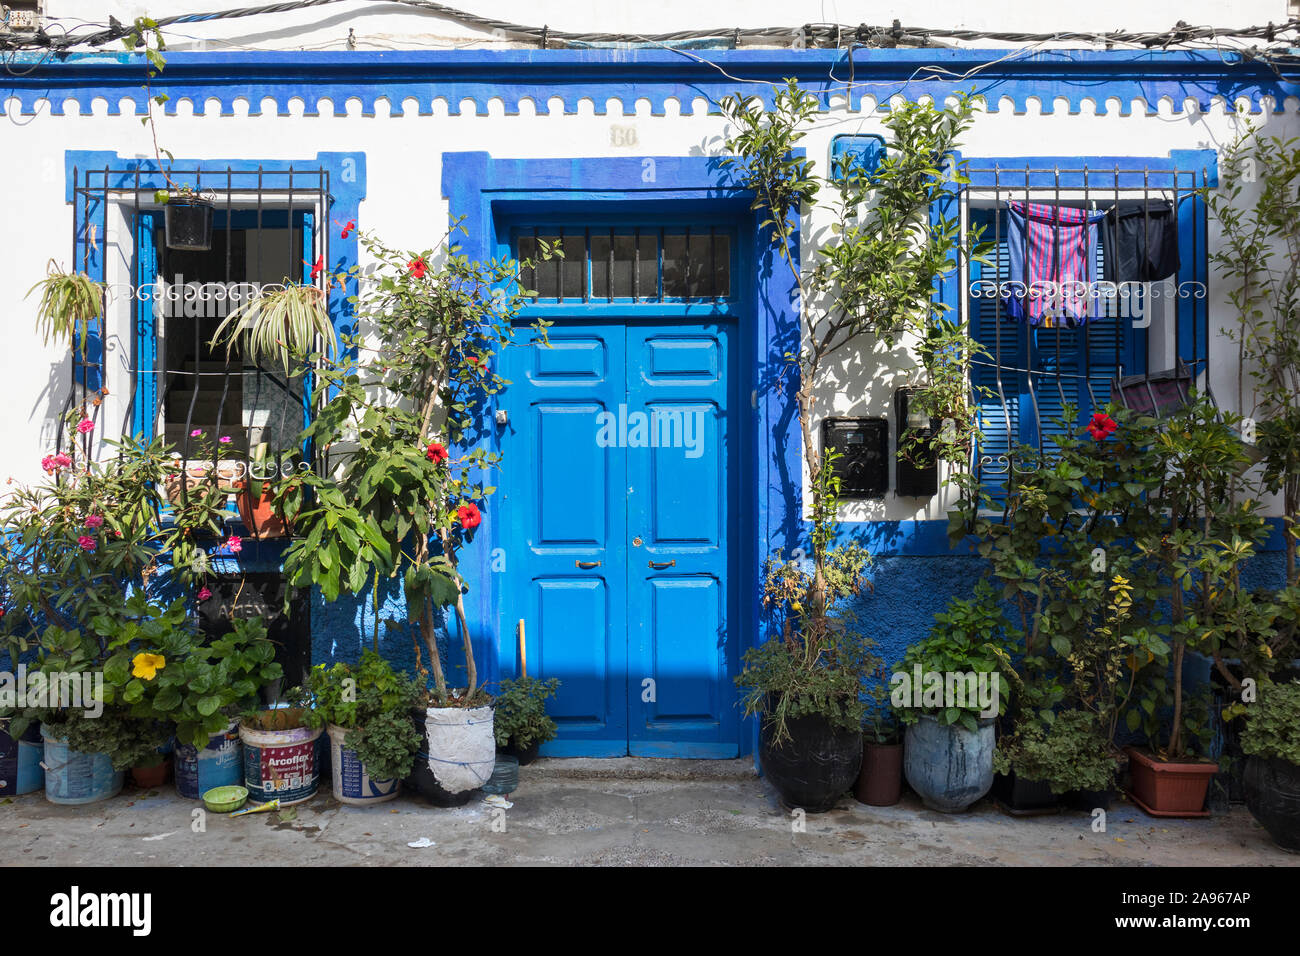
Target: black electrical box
(916, 471)
(262, 594)
(863, 444)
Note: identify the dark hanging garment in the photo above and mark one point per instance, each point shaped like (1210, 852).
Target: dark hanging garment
(1141, 245)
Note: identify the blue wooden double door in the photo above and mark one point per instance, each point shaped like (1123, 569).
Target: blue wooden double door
(618, 518)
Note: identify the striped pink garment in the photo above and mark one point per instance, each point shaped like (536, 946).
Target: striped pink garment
(1052, 251)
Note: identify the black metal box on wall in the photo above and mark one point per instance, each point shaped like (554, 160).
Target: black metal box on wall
(263, 593)
(916, 471)
(863, 443)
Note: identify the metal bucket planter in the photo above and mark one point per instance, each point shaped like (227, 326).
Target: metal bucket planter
(280, 764)
(949, 767)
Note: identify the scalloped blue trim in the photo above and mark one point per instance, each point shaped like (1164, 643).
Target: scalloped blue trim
(629, 75)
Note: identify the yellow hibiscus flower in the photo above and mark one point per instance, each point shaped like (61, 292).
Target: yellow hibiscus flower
(147, 666)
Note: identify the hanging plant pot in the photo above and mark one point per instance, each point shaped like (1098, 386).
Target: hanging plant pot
(188, 222)
(1273, 798)
(1169, 788)
(259, 513)
(813, 768)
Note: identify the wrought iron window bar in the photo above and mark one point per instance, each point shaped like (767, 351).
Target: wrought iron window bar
(262, 193)
(1085, 188)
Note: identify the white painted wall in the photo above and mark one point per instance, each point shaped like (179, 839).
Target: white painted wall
(404, 204)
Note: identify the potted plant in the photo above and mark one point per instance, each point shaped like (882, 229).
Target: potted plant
(269, 494)
(1272, 774)
(70, 301)
(522, 724)
(880, 781)
(948, 693)
(367, 712)
(1204, 537)
(1041, 762)
(280, 752)
(403, 503)
(187, 218)
(281, 326)
(804, 684)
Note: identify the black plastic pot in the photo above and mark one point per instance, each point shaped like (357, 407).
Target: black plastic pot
(525, 755)
(1020, 797)
(188, 223)
(815, 766)
(1088, 800)
(1273, 798)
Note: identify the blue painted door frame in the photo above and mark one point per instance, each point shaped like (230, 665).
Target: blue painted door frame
(486, 196)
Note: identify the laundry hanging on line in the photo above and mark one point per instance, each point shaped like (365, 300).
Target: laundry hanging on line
(1052, 263)
(1141, 243)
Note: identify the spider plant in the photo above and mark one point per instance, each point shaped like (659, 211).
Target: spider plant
(69, 301)
(278, 325)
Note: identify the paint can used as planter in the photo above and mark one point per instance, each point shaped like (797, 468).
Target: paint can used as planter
(352, 785)
(1273, 798)
(880, 783)
(815, 766)
(280, 764)
(73, 778)
(20, 762)
(219, 764)
(1169, 788)
(458, 755)
(949, 767)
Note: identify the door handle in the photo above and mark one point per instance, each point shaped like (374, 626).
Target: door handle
(660, 565)
(586, 565)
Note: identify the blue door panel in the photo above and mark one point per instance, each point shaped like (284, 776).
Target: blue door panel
(561, 493)
(679, 604)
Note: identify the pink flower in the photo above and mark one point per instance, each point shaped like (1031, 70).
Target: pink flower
(85, 425)
(225, 439)
(204, 594)
(196, 433)
(48, 463)
(87, 542)
(94, 521)
(234, 545)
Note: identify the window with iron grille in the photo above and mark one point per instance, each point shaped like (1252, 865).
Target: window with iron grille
(629, 264)
(1126, 319)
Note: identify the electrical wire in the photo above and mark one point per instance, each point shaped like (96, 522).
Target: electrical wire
(832, 35)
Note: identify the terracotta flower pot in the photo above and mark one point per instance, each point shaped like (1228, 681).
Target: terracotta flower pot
(259, 515)
(880, 784)
(1169, 788)
(150, 777)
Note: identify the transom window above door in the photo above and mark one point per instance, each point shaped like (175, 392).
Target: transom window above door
(629, 264)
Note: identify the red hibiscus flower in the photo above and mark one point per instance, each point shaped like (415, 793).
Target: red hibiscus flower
(436, 453)
(417, 267)
(469, 516)
(318, 267)
(1101, 426)
(351, 224)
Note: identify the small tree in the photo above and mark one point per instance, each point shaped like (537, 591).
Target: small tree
(1258, 259)
(891, 238)
(402, 405)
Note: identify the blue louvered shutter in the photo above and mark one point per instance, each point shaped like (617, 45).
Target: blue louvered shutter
(1066, 366)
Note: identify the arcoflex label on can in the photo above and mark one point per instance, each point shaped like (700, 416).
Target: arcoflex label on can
(286, 773)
